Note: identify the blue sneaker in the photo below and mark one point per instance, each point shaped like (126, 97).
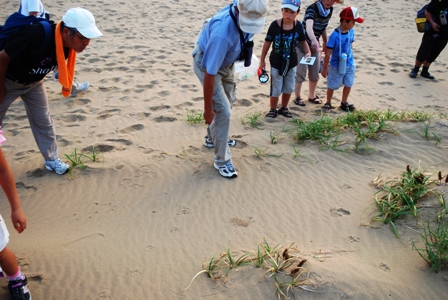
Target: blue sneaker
(57, 165)
(79, 88)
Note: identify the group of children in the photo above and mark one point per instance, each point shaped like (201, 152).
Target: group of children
(338, 65)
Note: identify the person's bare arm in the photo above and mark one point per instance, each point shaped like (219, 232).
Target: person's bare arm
(434, 25)
(310, 33)
(326, 62)
(9, 187)
(209, 84)
(4, 62)
(264, 52)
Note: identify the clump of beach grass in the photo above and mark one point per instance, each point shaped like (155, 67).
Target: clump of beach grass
(283, 264)
(195, 117)
(435, 240)
(403, 197)
(253, 119)
(364, 125)
(77, 159)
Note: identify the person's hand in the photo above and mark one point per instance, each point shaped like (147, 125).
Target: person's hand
(262, 65)
(324, 72)
(435, 27)
(18, 220)
(208, 116)
(308, 54)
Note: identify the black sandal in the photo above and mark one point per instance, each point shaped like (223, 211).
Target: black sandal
(272, 113)
(345, 106)
(327, 106)
(299, 102)
(284, 112)
(315, 100)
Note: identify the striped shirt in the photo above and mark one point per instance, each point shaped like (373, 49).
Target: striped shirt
(320, 22)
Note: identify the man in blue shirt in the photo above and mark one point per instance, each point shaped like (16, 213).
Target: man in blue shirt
(226, 38)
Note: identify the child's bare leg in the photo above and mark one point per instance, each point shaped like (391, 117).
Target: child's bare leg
(345, 93)
(274, 102)
(312, 90)
(8, 262)
(329, 96)
(285, 99)
(298, 89)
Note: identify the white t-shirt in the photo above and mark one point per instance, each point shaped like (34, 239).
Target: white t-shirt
(32, 6)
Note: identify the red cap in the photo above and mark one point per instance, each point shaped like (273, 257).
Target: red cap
(351, 13)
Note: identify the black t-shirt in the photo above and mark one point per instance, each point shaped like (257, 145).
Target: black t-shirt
(435, 7)
(276, 35)
(25, 63)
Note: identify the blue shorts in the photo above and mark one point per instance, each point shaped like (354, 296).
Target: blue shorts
(335, 80)
(280, 84)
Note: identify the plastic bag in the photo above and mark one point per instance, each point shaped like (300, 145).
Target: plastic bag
(243, 72)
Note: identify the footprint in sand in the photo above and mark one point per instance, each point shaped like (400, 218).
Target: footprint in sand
(354, 239)
(339, 212)
(183, 211)
(132, 128)
(384, 267)
(22, 186)
(237, 222)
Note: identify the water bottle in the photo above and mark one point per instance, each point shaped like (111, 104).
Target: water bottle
(342, 63)
(443, 17)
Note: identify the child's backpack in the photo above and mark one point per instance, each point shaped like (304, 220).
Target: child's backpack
(421, 22)
(17, 21)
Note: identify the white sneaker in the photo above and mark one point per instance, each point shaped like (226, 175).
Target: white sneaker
(227, 170)
(209, 143)
(79, 88)
(57, 165)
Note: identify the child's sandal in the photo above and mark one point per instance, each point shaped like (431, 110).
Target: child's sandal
(284, 111)
(345, 106)
(272, 113)
(327, 106)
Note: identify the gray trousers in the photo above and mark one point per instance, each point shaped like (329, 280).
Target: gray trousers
(35, 100)
(223, 98)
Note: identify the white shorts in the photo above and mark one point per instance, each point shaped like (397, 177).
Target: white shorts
(4, 234)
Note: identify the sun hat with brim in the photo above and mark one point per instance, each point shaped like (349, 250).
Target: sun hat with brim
(252, 15)
(82, 20)
(293, 5)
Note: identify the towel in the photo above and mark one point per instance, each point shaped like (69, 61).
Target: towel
(66, 69)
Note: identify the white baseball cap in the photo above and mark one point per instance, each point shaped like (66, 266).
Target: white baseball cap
(252, 15)
(82, 20)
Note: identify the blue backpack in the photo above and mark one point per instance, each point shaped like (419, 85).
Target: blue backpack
(17, 21)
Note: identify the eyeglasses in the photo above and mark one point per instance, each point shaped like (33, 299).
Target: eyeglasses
(80, 37)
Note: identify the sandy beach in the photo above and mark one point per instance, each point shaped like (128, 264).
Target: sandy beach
(140, 223)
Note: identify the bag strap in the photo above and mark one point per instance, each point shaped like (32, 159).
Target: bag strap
(242, 39)
(340, 41)
(293, 37)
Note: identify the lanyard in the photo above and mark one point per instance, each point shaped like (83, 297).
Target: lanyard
(242, 39)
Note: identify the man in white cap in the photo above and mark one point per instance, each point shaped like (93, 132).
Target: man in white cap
(28, 56)
(226, 38)
(36, 8)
